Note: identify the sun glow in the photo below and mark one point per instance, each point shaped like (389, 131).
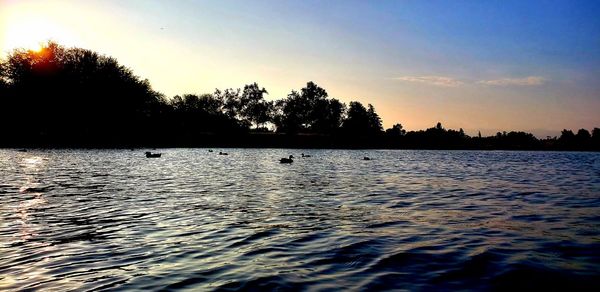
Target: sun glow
(32, 32)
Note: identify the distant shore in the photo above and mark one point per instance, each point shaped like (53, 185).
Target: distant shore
(61, 97)
(299, 141)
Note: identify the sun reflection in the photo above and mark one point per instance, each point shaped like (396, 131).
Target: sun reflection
(32, 163)
(33, 196)
(27, 230)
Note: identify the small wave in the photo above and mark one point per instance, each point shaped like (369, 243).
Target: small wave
(27, 190)
(387, 224)
(254, 237)
(528, 218)
(82, 236)
(419, 220)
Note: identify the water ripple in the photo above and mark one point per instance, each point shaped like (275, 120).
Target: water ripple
(415, 220)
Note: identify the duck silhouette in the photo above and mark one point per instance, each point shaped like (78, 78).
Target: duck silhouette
(287, 160)
(366, 158)
(152, 155)
(223, 153)
(305, 155)
(210, 150)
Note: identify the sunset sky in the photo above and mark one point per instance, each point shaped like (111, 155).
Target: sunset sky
(479, 65)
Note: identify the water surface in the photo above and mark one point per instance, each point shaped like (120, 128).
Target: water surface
(417, 220)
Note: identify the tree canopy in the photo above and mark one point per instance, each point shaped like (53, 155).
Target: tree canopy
(58, 92)
(74, 96)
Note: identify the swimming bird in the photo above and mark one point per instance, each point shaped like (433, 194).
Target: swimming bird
(223, 153)
(366, 158)
(152, 155)
(287, 160)
(210, 150)
(305, 155)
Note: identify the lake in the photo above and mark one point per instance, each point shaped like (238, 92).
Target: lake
(195, 220)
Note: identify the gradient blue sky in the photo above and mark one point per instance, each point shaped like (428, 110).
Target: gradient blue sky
(479, 65)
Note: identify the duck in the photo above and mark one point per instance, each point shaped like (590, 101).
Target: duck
(152, 155)
(366, 158)
(210, 150)
(287, 160)
(303, 155)
(223, 153)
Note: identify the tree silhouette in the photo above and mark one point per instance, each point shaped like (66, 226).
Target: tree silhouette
(596, 138)
(309, 110)
(253, 108)
(290, 115)
(567, 139)
(59, 93)
(328, 116)
(375, 124)
(583, 138)
(396, 130)
(596, 133)
(75, 97)
(361, 121)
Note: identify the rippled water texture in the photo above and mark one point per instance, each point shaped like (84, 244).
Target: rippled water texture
(418, 220)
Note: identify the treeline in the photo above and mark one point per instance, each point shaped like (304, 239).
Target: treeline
(71, 97)
(439, 138)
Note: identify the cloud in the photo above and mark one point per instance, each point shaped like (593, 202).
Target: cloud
(432, 80)
(445, 81)
(527, 81)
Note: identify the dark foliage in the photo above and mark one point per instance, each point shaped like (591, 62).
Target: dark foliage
(583, 140)
(362, 121)
(60, 94)
(396, 131)
(308, 111)
(76, 97)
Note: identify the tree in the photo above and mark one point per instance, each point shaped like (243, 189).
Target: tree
(3, 80)
(361, 120)
(596, 133)
(583, 139)
(396, 130)
(75, 94)
(231, 101)
(328, 115)
(357, 121)
(308, 110)
(566, 135)
(596, 138)
(253, 108)
(374, 120)
(583, 135)
(566, 139)
(3, 83)
(261, 113)
(290, 114)
(439, 127)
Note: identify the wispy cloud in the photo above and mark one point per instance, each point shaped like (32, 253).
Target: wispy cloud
(432, 80)
(527, 81)
(445, 81)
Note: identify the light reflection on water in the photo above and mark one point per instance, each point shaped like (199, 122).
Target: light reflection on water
(112, 219)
